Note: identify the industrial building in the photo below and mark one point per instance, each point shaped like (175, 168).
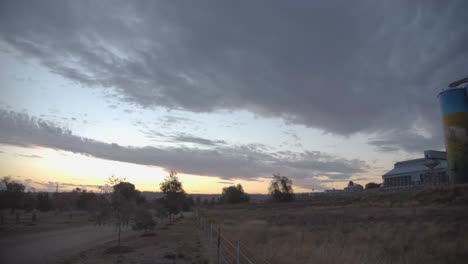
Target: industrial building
(430, 170)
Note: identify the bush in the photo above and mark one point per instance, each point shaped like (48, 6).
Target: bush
(143, 220)
(234, 194)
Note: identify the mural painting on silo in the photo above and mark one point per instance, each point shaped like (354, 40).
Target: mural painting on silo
(454, 106)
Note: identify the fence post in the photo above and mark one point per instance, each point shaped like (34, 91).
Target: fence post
(219, 245)
(18, 220)
(211, 234)
(238, 252)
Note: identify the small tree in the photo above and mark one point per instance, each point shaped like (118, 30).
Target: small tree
(281, 189)
(234, 194)
(143, 220)
(350, 184)
(118, 203)
(160, 208)
(13, 193)
(174, 194)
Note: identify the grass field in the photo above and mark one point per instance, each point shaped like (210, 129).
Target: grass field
(425, 226)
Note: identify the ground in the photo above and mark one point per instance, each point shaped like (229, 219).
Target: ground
(77, 241)
(425, 226)
(168, 243)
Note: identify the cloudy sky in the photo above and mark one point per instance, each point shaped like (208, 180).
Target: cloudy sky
(223, 91)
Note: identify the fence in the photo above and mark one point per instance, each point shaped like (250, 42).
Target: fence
(18, 218)
(227, 251)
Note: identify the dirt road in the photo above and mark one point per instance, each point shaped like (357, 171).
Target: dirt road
(51, 246)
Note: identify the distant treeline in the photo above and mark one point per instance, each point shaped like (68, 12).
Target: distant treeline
(13, 196)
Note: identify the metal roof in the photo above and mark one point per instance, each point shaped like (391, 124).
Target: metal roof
(414, 166)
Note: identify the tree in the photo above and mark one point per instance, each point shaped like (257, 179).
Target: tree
(86, 201)
(281, 189)
(372, 185)
(234, 194)
(43, 202)
(118, 203)
(350, 184)
(174, 194)
(13, 193)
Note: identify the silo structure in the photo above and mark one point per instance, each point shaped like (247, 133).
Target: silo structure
(454, 106)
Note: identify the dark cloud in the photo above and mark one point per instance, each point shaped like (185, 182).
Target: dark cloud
(343, 67)
(184, 138)
(62, 186)
(49, 186)
(170, 120)
(30, 156)
(225, 182)
(409, 141)
(228, 162)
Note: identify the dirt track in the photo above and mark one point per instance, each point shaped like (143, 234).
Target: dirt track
(52, 246)
(168, 244)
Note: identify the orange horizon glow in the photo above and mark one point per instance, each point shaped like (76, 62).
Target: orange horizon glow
(73, 170)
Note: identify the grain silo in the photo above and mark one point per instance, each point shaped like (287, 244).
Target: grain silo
(454, 106)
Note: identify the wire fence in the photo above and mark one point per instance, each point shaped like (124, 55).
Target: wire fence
(227, 251)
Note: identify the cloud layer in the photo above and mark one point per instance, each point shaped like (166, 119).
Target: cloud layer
(227, 162)
(343, 67)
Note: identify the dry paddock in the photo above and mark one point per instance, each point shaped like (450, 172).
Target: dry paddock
(429, 226)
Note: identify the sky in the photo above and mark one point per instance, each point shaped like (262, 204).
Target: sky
(223, 92)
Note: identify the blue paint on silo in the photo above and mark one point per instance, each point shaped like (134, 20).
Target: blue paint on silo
(453, 101)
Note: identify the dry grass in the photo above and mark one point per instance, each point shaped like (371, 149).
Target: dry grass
(427, 226)
(45, 221)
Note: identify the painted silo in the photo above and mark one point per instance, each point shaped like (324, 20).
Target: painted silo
(454, 105)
